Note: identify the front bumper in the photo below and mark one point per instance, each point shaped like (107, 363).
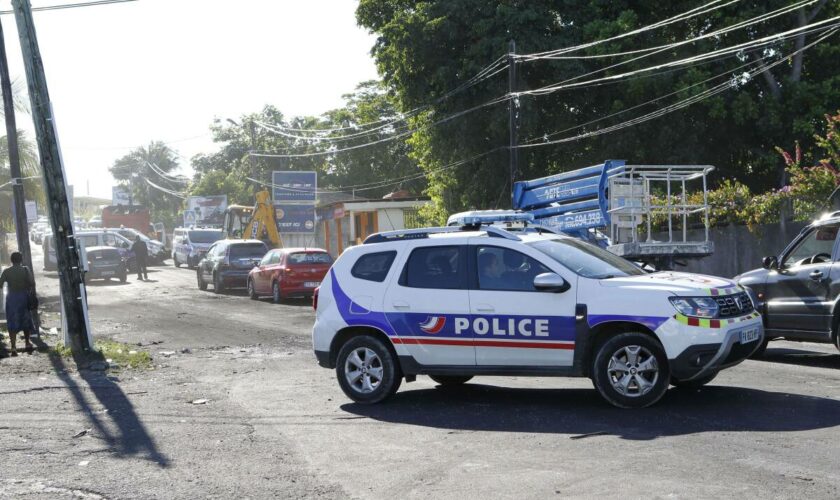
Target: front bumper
(699, 360)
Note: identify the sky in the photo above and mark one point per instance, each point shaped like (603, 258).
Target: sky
(123, 75)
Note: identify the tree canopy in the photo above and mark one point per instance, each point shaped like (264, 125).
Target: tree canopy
(147, 172)
(424, 49)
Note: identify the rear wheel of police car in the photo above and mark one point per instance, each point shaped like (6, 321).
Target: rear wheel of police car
(367, 370)
(630, 370)
(202, 285)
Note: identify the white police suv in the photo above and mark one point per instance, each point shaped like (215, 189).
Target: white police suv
(468, 300)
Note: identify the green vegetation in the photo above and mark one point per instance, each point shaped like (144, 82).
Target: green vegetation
(122, 355)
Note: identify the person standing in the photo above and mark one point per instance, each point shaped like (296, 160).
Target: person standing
(141, 254)
(21, 287)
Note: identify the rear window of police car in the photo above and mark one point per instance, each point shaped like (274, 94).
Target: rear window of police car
(373, 266)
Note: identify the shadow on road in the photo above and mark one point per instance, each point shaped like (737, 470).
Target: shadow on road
(476, 407)
(801, 357)
(101, 283)
(120, 426)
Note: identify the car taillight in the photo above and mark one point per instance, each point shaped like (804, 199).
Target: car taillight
(315, 298)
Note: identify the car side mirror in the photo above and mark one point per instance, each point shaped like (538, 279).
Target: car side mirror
(550, 282)
(770, 262)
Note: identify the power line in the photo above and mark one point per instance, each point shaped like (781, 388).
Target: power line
(680, 104)
(72, 5)
(703, 9)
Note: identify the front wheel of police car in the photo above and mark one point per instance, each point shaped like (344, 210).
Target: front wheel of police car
(631, 370)
(367, 370)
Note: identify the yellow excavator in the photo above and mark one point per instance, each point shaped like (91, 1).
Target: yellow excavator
(257, 223)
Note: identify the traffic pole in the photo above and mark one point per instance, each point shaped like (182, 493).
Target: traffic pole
(70, 266)
(513, 119)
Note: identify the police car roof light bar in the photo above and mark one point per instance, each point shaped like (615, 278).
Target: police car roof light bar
(415, 234)
(479, 219)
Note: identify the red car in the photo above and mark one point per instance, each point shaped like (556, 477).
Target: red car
(289, 272)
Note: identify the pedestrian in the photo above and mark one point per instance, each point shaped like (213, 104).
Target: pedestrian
(141, 254)
(20, 300)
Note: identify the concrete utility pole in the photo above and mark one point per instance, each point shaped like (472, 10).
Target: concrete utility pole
(21, 223)
(513, 109)
(69, 263)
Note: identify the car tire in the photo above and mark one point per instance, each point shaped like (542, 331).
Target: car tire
(202, 285)
(175, 261)
(276, 293)
(123, 277)
(693, 384)
(451, 380)
(218, 286)
(252, 291)
(759, 352)
(642, 364)
(367, 370)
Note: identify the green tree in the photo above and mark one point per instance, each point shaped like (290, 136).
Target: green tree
(147, 172)
(424, 49)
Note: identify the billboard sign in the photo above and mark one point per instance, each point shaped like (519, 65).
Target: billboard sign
(31, 211)
(206, 210)
(295, 218)
(119, 195)
(294, 186)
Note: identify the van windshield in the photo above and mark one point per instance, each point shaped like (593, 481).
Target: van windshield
(206, 236)
(586, 260)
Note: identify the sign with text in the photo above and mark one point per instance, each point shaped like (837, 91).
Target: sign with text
(295, 218)
(119, 195)
(31, 211)
(206, 210)
(293, 186)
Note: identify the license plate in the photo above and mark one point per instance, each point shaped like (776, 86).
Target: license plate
(311, 284)
(750, 335)
(108, 273)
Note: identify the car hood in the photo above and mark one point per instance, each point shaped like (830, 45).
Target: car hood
(677, 283)
(200, 246)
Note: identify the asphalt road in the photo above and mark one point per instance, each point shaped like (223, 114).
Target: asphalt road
(277, 425)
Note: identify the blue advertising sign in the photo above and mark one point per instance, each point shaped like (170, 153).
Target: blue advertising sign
(295, 218)
(293, 186)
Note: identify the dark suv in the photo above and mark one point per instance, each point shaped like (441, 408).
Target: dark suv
(228, 263)
(797, 291)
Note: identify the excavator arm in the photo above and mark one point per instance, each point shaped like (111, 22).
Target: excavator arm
(263, 221)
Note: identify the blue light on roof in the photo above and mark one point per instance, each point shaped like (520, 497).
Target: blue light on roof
(476, 220)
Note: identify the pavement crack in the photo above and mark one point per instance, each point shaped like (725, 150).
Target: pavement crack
(34, 389)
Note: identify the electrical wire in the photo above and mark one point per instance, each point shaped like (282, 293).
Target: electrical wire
(165, 176)
(703, 9)
(680, 104)
(167, 191)
(71, 5)
(715, 53)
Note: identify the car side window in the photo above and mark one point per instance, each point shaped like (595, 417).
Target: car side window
(267, 259)
(211, 252)
(109, 240)
(814, 248)
(275, 258)
(373, 266)
(505, 269)
(435, 267)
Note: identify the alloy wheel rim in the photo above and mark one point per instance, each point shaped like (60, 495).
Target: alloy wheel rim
(633, 371)
(363, 370)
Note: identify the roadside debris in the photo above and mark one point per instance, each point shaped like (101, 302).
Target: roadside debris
(81, 433)
(199, 401)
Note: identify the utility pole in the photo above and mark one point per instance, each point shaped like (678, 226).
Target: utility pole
(21, 223)
(69, 263)
(513, 109)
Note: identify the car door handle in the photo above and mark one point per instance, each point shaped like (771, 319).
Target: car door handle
(816, 275)
(401, 305)
(485, 308)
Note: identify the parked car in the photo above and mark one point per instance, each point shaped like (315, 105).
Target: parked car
(157, 253)
(95, 222)
(289, 272)
(797, 291)
(228, 263)
(90, 239)
(190, 245)
(105, 263)
(36, 233)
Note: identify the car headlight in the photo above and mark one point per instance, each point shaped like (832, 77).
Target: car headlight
(698, 307)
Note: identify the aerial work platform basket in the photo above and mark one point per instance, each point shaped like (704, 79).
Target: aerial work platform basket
(622, 208)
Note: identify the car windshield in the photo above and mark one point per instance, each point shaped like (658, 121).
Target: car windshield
(310, 258)
(248, 251)
(206, 236)
(586, 260)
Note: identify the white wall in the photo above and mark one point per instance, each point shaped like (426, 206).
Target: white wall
(390, 219)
